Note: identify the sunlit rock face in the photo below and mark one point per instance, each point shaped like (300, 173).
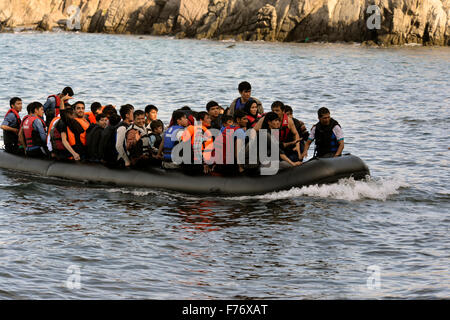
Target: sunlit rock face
(387, 22)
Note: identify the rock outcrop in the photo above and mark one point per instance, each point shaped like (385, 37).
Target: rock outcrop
(388, 22)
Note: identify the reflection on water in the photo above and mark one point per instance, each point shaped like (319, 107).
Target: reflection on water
(314, 242)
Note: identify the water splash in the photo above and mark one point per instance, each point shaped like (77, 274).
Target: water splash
(346, 189)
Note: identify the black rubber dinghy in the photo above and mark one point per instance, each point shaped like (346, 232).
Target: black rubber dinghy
(316, 171)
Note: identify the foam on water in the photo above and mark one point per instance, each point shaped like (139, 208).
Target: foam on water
(346, 189)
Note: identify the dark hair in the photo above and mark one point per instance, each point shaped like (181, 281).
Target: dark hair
(13, 101)
(248, 105)
(225, 118)
(322, 111)
(125, 109)
(150, 107)
(114, 119)
(177, 115)
(100, 116)
(186, 108)
(69, 91)
(239, 114)
(65, 113)
(109, 110)
(78, 102)
(139, 113)
(95, 106)
(155, 124)
(211, 104)
(244, 86)
(201, 115)
(270, 116)
(35, 105)
(288, 109)
(277, 104)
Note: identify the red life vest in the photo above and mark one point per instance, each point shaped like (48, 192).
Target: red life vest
(284, 130)
(16, 114)
(222, 145)
(90, 117)
(252, 121)
(58, 103)
(32, 137)
(55, 136)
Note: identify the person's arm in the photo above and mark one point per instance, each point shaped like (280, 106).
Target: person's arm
(9, 121)
(259, 124)
(40, 128)
(119, 146)
(340, 138)
(50, 104)
(292, 127)
(66, 144)
(160, 150)
(308, 143)
(22, 138)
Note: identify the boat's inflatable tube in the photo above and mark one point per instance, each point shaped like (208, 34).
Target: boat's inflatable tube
(317, 171)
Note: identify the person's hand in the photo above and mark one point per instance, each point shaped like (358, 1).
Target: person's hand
(159, 156)
(127, 164)
(66, 97)
(206, 169)
(337, 155)
(298, 163)
(304, 154)
(76, 157)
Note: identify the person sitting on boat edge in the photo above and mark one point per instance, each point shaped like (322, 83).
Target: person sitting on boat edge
(11, 127)
(301, 129)
(251, 109)
(271, 122)
(34, 131)
(287, 126)
(57, 139)
(245, 91)
(93, 136)
(56, 102)
(171, 138)
(151, 114)
(202, 145)
(137, 141)
(213, 110)
(126, 112)
(328, 136)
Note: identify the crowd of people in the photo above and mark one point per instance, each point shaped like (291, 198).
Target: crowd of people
(137, 138)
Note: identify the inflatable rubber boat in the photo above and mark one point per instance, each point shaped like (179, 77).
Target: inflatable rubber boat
(315, 171)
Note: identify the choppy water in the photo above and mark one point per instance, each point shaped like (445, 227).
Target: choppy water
(315, 242)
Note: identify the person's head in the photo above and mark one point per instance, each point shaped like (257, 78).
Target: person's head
(240, 118)
(204, 117)
(227, 120)
(16, 104)
(221, 110)
(245, 90)
(126, 112)
(67, 92)
(273, 120)
(139, 118)
(114, 119)
(79, 109)
(278, 107)
(179, 117)
(324, 116)
(288, 110)
(67, 113)
(102, 120)
(186, 108)
(37, 109)
(157, 126)
(109, 110)
(96, 108)
(213, 109)
(251, 108)
(151, 112)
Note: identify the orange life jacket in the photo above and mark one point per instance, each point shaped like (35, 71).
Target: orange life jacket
(91, 117)
(71, 136)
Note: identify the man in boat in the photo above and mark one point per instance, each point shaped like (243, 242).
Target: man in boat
(289, 136)
(151, 114)
(11, 126)
(126, 112)
(213, 110)
(171, 138)
(34, 131)
(93, 135)
(301, 129)
(328, 136)
(245, 91)
(201, 145)
(96, 108)
(56, 102)
(138, 141)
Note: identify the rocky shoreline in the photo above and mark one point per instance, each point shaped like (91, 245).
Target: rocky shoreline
(377, 22)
